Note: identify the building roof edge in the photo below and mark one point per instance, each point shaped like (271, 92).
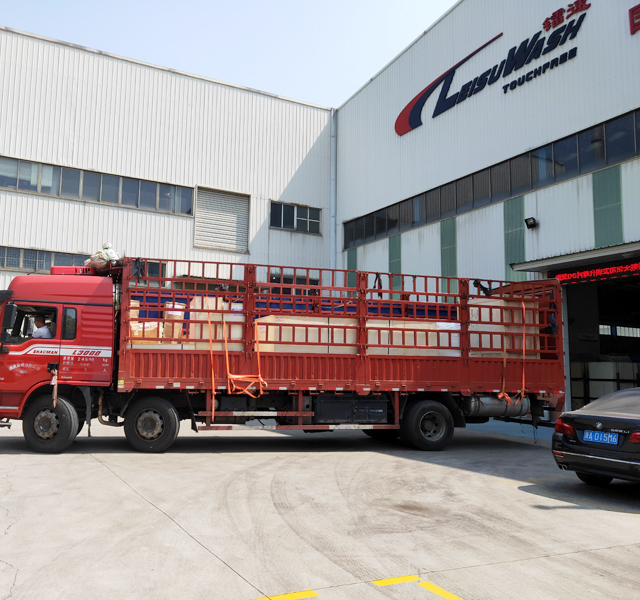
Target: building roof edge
(160, 68)
(425, 32)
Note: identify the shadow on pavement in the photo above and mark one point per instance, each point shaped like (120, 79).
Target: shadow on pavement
(528, 465)
(618, 496)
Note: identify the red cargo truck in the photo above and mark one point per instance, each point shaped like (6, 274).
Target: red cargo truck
(227, 346)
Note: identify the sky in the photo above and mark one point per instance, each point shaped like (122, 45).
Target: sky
(317, 52)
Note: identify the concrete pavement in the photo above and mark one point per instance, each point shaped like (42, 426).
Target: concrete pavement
(244, 515)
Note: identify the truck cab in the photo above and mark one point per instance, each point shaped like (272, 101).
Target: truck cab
(79, 315)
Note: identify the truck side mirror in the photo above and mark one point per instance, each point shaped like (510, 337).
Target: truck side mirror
(9, 318)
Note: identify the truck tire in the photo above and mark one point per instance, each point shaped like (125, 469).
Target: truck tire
(47, 429)
(382, 435)
(427, 425)
(151, 424)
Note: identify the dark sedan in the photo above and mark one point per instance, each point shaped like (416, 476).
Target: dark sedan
(601, 441)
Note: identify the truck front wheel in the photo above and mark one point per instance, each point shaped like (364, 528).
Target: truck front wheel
(47, 429)
(151, 424)
(427, 425)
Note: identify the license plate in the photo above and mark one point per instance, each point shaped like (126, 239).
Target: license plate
(600, 437)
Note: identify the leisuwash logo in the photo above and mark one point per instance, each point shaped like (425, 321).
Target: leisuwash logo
(518, 57)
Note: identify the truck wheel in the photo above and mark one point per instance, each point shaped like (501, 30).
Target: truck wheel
(382, 435)
(427, 425)
(592, 479)
(47, 429)
(151, 424)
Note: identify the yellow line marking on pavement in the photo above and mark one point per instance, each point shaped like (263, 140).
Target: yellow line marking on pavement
(294, 596)
(432, 587)
(394, 580)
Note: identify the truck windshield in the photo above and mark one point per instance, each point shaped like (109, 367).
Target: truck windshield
(25, 324)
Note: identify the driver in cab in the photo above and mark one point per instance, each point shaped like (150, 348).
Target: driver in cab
(42, 331)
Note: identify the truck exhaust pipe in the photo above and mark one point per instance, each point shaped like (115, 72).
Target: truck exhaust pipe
(101, 419)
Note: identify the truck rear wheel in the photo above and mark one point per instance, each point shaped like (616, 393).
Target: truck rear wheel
(427, 425)
(47, 429)
(151, 424)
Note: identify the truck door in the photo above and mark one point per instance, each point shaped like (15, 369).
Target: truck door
(86, 344)
(24, 359)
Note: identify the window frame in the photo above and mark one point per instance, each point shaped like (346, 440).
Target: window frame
(295, 207)
(57, 193)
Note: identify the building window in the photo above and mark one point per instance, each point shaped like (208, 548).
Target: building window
(110, 189)
(369, 228)
(381, 223)
(605, 144)
(25, 259)
(70, 183)
(419, 210)
(482, 188)
(448, 200)
(464, 194)
(500, 186)
(307, 219)
(91, 187)
(51, 180)
(591, 147)
(8, 173)
(542, 166)
(28, 179)
(565, 158)
(295, 217)
(620, 139)
(130, 191)
(432, 205)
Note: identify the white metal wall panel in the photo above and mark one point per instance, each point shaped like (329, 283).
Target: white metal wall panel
(221, 221)
(6, 277)
(372, 257)
(81, 228)
(565, 216)
(71, 106)
(630, 175)
(480, 242)
(376, 167)
(421, 250)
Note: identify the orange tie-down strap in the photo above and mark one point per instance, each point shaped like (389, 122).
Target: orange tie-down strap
(250, 382)
(503, 395)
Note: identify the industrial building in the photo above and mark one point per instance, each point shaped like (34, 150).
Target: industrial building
(503, 143)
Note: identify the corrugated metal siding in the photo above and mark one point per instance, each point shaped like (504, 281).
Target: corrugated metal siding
(82, 227)
(6, 277)
(374, 257)
(480, 243)
(565, 214)
(514, 240)
(376, 167)
(68, 106)
(607, 207)
(423, 254)
(630, 181)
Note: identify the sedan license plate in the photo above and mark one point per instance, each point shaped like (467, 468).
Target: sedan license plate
(601, 437)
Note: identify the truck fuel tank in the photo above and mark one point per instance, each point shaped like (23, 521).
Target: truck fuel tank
(492, 406)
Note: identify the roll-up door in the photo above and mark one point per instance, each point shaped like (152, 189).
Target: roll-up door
(222, 221)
